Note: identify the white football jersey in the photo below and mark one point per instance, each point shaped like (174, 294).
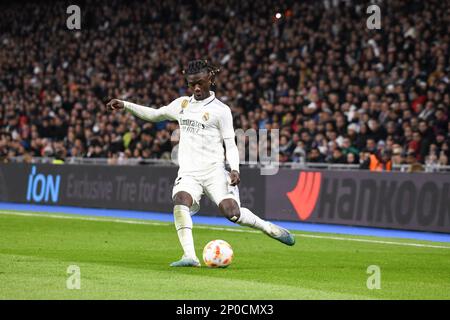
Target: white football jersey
(203, 126)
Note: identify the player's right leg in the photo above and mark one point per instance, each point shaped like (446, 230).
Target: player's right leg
(186, 196)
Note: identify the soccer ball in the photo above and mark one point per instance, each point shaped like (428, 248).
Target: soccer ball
(218, 253)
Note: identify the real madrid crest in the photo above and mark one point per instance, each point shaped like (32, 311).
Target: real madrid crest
(205, 116)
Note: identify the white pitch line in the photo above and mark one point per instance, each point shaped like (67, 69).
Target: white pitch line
(55, 216)
(410, 244)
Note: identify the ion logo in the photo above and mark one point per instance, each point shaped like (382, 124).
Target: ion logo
(42, 188)
(305, 194)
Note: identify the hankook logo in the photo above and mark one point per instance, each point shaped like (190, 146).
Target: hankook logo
(305, 194)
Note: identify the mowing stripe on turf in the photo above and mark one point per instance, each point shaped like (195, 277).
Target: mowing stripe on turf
(409, 244)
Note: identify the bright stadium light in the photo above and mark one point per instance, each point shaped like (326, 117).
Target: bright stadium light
(278, 15)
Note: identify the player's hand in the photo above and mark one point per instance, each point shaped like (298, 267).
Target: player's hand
(115, 104)
(235, 178)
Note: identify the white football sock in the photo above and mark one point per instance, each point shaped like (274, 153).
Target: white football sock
(249, 219)
(183, 224)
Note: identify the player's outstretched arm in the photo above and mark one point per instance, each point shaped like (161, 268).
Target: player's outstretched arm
(145, 113)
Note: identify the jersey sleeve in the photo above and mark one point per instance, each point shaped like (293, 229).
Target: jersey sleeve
(168, 112)
(172, 110)
(226, 125)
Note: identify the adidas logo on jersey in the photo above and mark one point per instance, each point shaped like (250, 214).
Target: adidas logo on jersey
(184, 104)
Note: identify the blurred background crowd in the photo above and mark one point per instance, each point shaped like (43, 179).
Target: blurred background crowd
(337, 91)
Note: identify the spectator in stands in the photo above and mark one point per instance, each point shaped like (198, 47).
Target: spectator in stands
(315, 156)
(347, 147)
(338, 156)
(414, 164)
(397, 155)
(313, 74)
(351, 159)
(379, 161)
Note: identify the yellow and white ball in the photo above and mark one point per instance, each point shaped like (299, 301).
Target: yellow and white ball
(218, 254)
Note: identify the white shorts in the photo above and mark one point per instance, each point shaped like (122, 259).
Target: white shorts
(216, 186)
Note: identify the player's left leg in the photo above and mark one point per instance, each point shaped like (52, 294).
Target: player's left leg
(217, 187)
(243, 216)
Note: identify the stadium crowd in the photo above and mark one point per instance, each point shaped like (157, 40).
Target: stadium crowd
(336, 90)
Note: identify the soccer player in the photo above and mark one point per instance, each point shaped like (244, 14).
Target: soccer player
(206, 124)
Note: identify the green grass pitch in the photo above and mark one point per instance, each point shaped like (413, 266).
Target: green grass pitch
(129, 259)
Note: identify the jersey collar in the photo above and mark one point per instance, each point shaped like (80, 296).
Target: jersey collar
(203, 102)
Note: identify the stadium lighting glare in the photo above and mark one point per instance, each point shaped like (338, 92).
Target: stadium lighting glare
(278, 15)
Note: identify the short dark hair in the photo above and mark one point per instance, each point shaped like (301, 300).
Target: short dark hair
(197, 66)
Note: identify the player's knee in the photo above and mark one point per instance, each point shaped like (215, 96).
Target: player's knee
(182, 198)
(230, 209)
